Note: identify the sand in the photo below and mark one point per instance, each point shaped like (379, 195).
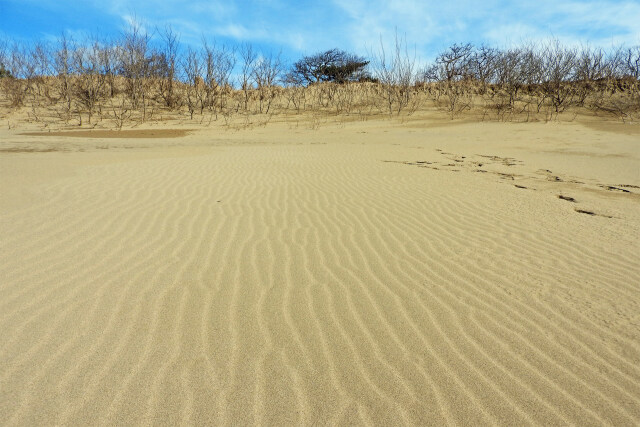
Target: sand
(375, 272)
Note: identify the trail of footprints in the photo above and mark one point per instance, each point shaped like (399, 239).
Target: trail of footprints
(494, 165)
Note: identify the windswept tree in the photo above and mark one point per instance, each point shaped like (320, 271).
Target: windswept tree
(333, 65)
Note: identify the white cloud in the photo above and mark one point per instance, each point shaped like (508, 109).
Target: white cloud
(304, 27)
(573, 22)
(359, 25)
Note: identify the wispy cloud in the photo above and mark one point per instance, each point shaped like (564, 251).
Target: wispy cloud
(305, 26)
(434, 24)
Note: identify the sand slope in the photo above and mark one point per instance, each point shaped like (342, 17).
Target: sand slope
(356, 274)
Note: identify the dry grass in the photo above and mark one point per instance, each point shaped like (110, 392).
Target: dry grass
(44, 106)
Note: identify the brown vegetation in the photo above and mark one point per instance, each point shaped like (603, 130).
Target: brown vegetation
(139, 78)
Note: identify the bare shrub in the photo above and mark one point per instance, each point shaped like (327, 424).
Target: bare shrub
(266, 74)
(248, 58)
(296, 95)
(91, 82)
(13, 84)
(121, 111)
(396, 73)
(482, 64)
(136, 66)
(454, 69)
(558, 63)
(618, 93)
(109, 63)
(4, 53)
(591, 66)
(166, 67)
(218, 65)
(133, 76)
(63, 69)
(509, 82)
(195, 88)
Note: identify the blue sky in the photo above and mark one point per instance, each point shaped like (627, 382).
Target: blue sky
(305, 27)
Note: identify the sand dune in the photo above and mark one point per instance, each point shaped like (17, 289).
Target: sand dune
(365, 273)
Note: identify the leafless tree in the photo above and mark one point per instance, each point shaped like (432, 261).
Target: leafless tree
(509, 81)
(91, 81)
(4, 57)
(559, 65)
(109, 64)
(266, 72)
(590, 67)
(396, 73)
(63, 68)
(454, 68)
(621, 95)
(529, 74)
(632, 62)
(218, 65)
(12, 80)
(167, 67)
(192, 69)
(136, 65)
(129, 77)
(39, 64)
(248, 58)
(482, 65)
(455, 62)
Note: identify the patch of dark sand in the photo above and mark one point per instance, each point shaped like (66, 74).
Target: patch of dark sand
(126, 133)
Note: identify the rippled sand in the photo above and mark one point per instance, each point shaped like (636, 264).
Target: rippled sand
(363, 273)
